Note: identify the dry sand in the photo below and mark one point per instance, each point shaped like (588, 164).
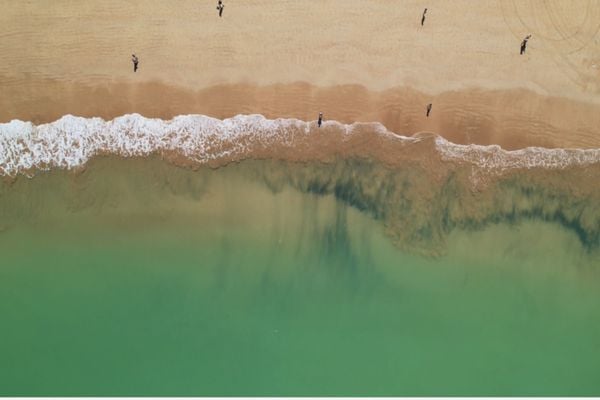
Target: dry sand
(355, 60)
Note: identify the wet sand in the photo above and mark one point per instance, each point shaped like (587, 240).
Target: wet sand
(511, 118)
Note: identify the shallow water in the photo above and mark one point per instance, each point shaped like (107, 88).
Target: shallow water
(136, 277)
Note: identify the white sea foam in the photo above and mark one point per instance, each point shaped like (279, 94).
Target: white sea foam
(71, 141)
(494, 158)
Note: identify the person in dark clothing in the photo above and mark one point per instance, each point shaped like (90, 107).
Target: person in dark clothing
(524, 44)
(320, 121)
(220, 7)
(423, 17)
(135, 62)
(428, 109)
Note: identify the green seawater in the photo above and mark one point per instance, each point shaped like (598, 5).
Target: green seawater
(139, 278)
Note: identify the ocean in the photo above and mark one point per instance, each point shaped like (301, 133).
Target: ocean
(138, 277)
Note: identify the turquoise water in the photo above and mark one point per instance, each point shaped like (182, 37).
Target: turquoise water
(117, 283)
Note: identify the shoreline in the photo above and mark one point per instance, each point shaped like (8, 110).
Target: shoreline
(70, 142)
(512, 119)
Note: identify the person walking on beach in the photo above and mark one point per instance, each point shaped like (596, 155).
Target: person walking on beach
(320, 121)
(524, 44)
(135, 62)
(428, 109)
(220, 7)
(423, 17)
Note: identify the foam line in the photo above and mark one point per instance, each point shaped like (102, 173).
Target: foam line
(71, 141)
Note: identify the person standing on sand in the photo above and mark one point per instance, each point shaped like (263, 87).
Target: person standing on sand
(135, 62)
(220, 7)
(423, 17)
(524, 44)
(428, 109)
(320, 121)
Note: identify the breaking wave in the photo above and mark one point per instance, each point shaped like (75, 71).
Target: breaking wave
(72, 141)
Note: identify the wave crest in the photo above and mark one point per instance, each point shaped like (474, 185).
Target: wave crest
(71, 141)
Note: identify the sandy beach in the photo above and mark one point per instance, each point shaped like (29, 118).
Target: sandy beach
(354, 60)
(191, 229)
